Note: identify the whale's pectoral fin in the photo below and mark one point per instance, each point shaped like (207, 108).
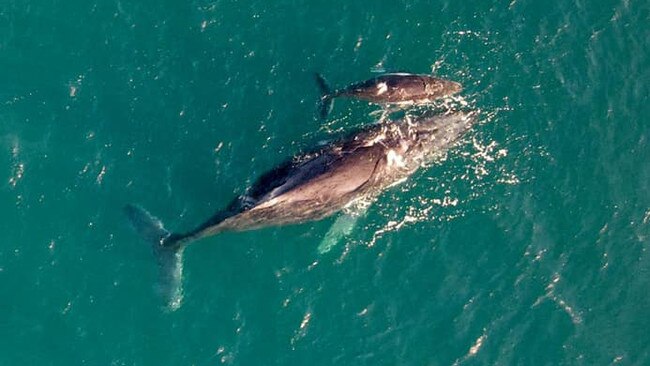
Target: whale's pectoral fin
(168, 253)
(341, 228)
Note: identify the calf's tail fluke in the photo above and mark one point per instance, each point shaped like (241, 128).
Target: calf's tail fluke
(166, 249)
(326, 99)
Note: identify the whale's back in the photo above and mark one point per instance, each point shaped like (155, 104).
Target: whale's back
(312, 190)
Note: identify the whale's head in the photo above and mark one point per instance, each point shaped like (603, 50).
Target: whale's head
(408, 144)
(426, 138)
(440, 88)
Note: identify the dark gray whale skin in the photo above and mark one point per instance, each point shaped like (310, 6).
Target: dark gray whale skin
(309, 187)
(316, 185)
(394, 88)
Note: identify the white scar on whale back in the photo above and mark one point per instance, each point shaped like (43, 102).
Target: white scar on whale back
(394, 159)
(382, 88)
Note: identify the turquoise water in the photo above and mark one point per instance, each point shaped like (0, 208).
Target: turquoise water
(527, 245)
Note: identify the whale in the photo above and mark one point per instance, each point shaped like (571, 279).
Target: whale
(400, 89)
(311, 186)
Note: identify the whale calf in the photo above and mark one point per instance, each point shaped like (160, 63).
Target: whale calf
(311, 186)
(394, 88)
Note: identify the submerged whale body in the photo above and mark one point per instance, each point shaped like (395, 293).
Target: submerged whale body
(394, 88)
(311, 186)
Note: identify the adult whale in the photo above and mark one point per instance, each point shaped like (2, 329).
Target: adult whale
(311, 186)
(394, 88)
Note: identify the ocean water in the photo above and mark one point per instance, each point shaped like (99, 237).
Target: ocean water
(527, 245)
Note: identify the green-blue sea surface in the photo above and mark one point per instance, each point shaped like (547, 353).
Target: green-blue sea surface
(527, 245)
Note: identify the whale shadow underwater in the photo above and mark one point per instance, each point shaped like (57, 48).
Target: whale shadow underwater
(311, 186)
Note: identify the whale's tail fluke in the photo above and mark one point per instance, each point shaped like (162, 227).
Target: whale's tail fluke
(168, 253)
(327, 98)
